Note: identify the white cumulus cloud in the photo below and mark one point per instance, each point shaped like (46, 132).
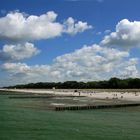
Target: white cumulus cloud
(16, 26)
(88, 63)
(127, 35)
(94, 62)
(71, 27)
(18, 52)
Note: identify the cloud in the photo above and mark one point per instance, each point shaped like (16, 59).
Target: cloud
(16, 26)
(94, 62)
(91, 62)
(88, 63)
(130, 69)
(127, 35)
(72, 28)
(18, 52)
(18, 29)
(107, 31)
(99, 33)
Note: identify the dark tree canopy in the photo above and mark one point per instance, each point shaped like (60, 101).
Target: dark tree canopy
(113, 83)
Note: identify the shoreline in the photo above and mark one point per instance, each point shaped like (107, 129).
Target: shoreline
(97, 94)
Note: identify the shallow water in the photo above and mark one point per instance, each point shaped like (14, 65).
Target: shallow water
(20, 122)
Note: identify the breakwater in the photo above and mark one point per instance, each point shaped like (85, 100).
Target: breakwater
(89, 107)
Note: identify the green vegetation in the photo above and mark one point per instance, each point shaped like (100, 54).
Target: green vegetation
(113, 83)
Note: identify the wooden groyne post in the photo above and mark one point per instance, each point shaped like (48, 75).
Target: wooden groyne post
(88, 107)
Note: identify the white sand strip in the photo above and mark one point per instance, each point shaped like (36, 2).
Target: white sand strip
(130, 96)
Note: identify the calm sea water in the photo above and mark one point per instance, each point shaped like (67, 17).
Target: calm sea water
(19, 122)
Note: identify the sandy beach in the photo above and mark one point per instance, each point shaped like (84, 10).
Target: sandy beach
(129, 96)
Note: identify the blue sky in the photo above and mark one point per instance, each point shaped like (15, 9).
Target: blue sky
(98, 18)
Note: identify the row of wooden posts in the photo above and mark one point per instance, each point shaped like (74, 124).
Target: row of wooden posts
(88, 107)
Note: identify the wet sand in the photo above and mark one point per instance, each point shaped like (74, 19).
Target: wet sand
(96, 94)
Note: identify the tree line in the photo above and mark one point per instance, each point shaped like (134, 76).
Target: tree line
(113, 83)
